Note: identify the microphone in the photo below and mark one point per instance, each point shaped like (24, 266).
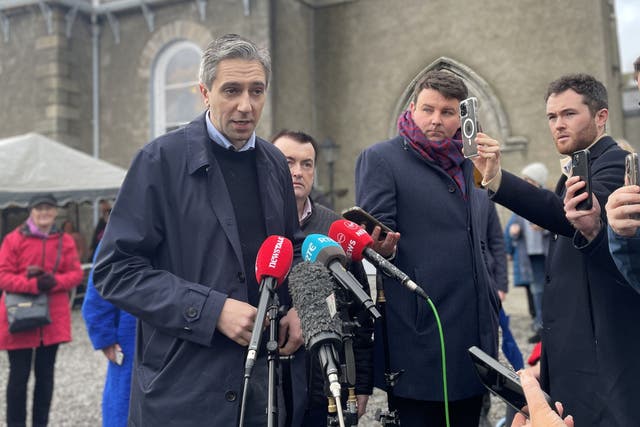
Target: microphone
(322, 249)
(356, 243)
(272, 266)
(311, 289)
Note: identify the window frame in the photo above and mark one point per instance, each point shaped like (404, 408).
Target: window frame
(159, 85)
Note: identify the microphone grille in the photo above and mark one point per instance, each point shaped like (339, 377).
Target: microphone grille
(311, 288)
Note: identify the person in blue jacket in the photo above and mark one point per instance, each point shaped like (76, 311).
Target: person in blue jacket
(528, 245)
(111, 330)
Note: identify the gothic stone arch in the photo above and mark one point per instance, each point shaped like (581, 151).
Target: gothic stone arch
(493, 118)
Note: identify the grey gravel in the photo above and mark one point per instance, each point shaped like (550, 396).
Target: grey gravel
(80, 375)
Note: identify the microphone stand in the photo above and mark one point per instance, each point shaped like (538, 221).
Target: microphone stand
(348, 376)
(273, 359)
(271, 301)
(389, 417)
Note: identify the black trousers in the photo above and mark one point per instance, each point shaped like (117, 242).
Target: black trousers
(20, 362)
(421, 413)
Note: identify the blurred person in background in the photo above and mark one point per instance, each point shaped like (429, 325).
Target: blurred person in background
(528, 245)
(78, 239)
(98, 232)
(36, 257)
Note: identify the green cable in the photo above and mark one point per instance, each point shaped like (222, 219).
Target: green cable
(444, 361)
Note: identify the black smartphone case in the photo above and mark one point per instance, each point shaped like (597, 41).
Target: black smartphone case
(359, 216)
(581, 166)
(501, 381)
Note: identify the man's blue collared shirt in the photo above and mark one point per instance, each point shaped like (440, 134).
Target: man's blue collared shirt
(222, 140)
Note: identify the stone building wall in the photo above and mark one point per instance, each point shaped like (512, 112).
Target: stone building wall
(341, 68)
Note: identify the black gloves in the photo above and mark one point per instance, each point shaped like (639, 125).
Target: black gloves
(46, 281)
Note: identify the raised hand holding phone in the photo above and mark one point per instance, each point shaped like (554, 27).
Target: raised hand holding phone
(542, 415)
(369, 222)
(587, 222)
(385, 240)
(623, 210)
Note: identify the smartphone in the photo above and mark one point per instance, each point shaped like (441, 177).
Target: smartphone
(119, 357)
(631, 169)
(581, 166)
(362, 217)
(469, 126)
(501, 381)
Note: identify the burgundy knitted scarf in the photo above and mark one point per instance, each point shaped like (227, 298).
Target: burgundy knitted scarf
(446, 153)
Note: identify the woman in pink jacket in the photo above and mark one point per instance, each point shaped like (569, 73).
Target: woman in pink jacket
(36, 257)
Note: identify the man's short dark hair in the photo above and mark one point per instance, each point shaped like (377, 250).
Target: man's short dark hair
(636, 68)
(593, 92)
(231, 46)
(443, 81)
(298, 136)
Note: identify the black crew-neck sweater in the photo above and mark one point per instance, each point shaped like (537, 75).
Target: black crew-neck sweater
(240, 174)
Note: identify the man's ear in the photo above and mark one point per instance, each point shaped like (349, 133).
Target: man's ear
(205, 92)
(601, 117)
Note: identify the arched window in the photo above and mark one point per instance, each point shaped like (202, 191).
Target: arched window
(176, 97)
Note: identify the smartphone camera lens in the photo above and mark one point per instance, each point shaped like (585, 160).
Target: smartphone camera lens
(468, 128)
(463, 110)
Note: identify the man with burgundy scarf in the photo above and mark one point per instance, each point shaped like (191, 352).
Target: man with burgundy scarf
(420, 185)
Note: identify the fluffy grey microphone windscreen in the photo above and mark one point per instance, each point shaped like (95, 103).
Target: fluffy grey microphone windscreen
(311, 289)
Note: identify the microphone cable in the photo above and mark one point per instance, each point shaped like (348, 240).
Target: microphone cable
(444, 360)
(355, 241)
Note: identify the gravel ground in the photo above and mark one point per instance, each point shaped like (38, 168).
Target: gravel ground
(80, 375)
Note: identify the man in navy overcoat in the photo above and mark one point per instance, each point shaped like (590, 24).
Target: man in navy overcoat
(180, 248)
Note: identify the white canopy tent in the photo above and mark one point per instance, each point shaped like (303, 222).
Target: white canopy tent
(32, 163)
